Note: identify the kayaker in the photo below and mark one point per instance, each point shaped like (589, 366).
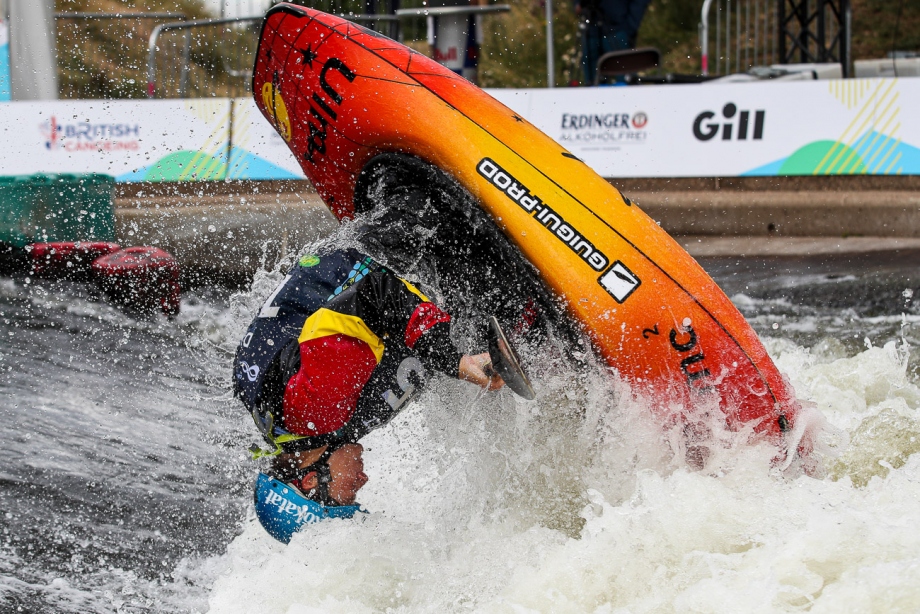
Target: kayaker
(337, 350)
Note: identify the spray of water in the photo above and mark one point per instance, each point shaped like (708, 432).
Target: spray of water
(575, 502)
(580, 501)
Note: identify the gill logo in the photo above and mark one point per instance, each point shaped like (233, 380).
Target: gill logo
(274, 104)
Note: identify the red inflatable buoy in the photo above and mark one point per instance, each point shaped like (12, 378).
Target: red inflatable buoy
(65, 259)
(143, 278)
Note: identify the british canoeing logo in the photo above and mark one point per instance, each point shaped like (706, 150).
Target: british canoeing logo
(89, 136)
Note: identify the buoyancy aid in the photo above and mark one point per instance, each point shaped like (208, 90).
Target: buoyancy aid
(337, 350)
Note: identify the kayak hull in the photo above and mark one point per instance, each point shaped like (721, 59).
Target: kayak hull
(340, 95)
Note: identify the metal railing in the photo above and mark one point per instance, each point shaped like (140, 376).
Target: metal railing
(214, 57)
(749, 33)
(110, 16)
(101, 55)
(202, 58)
(388, 25)
(745, 34)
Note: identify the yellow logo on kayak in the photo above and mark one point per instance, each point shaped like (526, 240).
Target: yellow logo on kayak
(274, 103)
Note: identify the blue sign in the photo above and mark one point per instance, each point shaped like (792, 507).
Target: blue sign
(4, 60)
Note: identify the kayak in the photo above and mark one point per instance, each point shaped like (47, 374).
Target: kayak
(341, 96)
(142, 278)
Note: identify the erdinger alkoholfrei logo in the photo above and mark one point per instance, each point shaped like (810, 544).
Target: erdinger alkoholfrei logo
(706, 129)
(614, 128)
(89, 136)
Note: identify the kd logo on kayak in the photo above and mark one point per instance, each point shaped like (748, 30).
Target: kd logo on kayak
(684, 341)
(705, 129)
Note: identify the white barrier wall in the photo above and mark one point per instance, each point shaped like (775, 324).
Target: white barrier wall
(862, 126)
(147, 140)
(792, 128)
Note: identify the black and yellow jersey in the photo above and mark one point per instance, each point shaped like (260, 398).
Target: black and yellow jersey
(338, 349)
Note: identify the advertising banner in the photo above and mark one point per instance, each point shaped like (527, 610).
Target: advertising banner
(259, 152)
(157, 140)
(130, 140)
(853, 126)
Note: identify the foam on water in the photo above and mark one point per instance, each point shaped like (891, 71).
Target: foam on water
(114, 453)
(576, 502)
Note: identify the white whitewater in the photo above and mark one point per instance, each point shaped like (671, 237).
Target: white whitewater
(575, 503)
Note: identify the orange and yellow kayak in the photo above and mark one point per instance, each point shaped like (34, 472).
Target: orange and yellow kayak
(340, 94)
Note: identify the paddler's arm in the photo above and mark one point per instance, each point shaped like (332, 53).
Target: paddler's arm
(437, 350)
(428, 329)
(478, 370)
(390, 305)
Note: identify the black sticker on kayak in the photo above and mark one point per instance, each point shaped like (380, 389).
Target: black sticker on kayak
(543, 213)
(619, 281)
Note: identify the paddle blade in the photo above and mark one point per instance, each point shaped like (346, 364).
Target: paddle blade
(506, 362)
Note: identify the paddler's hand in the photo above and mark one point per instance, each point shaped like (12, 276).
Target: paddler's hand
(478, 369)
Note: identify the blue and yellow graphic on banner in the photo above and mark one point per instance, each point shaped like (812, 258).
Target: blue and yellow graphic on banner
(870, 144)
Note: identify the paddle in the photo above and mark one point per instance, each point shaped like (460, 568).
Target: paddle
(505, 361)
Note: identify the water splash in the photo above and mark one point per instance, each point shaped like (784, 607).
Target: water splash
(580, 502)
